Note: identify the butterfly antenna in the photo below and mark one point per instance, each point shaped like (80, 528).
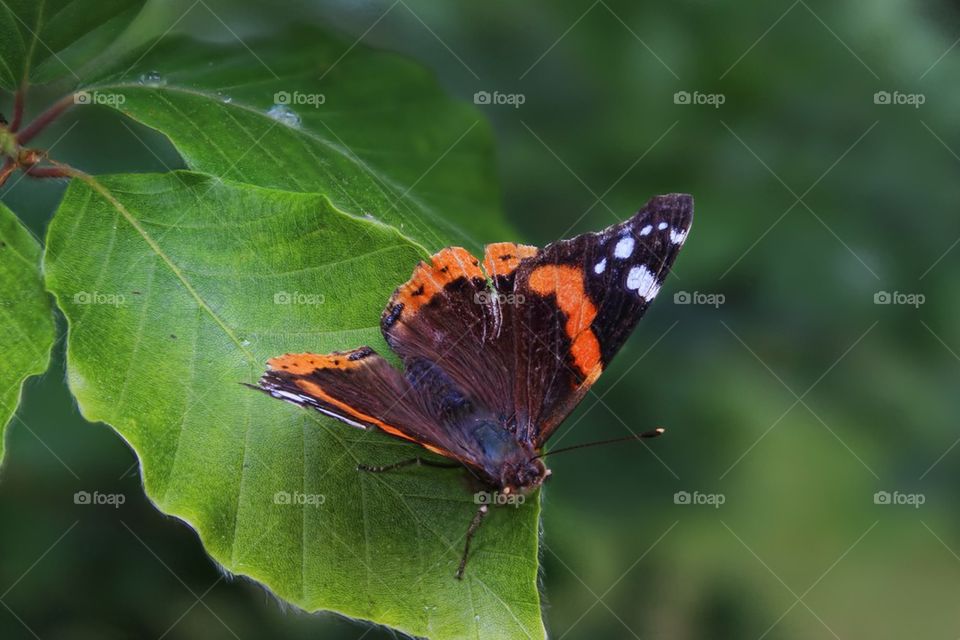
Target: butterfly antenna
(639, 436)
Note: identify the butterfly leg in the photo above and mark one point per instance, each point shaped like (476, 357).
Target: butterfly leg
(471, 530)
(420, 462)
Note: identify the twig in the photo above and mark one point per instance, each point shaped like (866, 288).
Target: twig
(9, 166)
(44, 120)
(18, 102)
(66, 171)
(48, 172)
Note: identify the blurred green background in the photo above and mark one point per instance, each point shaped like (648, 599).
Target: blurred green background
(793, 399)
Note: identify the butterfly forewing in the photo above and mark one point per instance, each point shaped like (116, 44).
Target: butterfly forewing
(582, 299)
(444, 327)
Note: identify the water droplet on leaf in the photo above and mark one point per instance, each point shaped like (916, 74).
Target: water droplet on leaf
(152, 79)
(284, 115)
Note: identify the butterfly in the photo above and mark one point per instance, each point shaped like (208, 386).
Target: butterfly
(495, 354)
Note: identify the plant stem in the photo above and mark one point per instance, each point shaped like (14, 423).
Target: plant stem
(7, 170)
(48, 172)
(18, 102)
(66, 171)
(44, 120)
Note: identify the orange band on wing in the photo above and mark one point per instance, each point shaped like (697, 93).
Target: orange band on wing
(437, 450)
(306, 363)
(566, 283)
(428, 280)
(502, 258)
(315, 390)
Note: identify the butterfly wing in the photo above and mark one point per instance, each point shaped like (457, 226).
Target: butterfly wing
(446, 326)
(362, 389)
(581, 300)
(451, 325)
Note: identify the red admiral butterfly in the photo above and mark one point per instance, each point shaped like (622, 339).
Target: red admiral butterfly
(496, 355)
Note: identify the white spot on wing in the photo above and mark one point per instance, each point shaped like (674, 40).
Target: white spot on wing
(643, 281)
(340, 417)
(677, 237)
(624, 248)
(662, 226)
(600, 266)
(301, 400)
(646, 230)
(286, 395)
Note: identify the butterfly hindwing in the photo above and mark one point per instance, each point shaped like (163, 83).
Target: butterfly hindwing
(358, 387)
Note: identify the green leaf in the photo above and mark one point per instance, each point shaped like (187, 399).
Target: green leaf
(42, 40)
(186, 285)
(385, 142)
(26, 315)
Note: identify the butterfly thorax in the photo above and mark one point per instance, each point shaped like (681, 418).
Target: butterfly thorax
(507, 462)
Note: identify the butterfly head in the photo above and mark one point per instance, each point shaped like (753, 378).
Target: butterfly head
(523, 476)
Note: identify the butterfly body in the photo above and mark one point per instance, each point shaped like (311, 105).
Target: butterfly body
(496, 353)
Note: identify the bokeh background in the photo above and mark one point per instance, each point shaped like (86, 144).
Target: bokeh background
(790, 395)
